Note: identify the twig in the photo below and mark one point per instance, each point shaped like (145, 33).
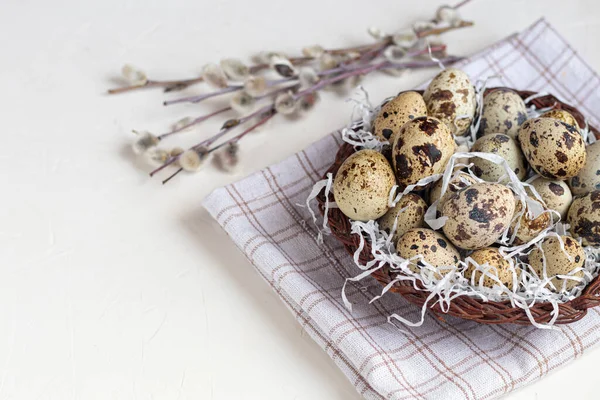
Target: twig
(153, 84)
(229, 89)
(183, 83)
(367, 56)
(194, 122)
(206, 117)
(365, 70)
(244, 133)
(359, 49)
(462, 3)
(172, 176)
(197, 99)
(215, 137)
(439, 31)
(314, 88)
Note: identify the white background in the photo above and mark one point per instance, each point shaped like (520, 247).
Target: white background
(114, 287)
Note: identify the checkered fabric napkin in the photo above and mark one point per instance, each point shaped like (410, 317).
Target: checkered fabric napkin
(455, 359)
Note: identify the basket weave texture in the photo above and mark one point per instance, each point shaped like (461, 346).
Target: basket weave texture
(466, 307)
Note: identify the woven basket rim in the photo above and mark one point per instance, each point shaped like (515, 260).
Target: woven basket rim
(469, 307)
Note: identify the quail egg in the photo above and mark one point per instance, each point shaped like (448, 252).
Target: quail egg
(504, 146)
(478, 215)
(503, 112)
(362, 185)
(490, 260)
(433, 246)
(397, 112)
(410, 213)
(451, 95)
(528, 227)
(584, 218)
(556, 195)
(561, 115)
(422, 148)
(555, 150)
(588, 178)
(557, 262)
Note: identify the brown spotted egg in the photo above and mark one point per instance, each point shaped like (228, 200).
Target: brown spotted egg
(561, 115)
(422, 148)
(588, 178)
(504, 146)
(584, 218)
(433, 246)
(503, 112)
(555, 150)
(362, 185)
(494, 263)
(556, 195)
(478, 215)
(451, 95)
(528, 227)
(397, 112)
(409, 213)
(557, 262)
(458, 182)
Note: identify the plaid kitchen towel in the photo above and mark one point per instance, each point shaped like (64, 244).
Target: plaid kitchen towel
(455, 359)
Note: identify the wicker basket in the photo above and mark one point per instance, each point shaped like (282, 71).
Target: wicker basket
(467, 307)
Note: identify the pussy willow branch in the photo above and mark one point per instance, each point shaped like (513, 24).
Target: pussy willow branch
(368, 56)
(197, 99)
(365, 70)
(232, 140)
(270, 108)
(241, 121)
(173, 175)
(439, 31)
(194, 122)
(225, 109)
(188, 82)
(153, 84)
(462, 3)
(229, 89)
(203, 118)
(182, 83)
(247, 131)
(216, 137)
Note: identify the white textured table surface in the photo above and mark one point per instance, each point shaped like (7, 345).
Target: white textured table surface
(114, 287)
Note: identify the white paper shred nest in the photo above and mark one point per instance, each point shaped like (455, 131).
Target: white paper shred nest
(447, 283)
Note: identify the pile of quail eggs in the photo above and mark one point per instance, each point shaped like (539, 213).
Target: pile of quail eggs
(488, 234)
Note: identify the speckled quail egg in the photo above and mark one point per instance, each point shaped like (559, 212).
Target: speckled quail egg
(490, 260)
(528, 227)
(413, 215)
(555, 150)
(584, 218)
(504, 146)
(433, 246)
(556, 195)
(397, 112)
(561, 115)
(362, 185)
(478, 215)
(557, 262)
(459, 181)
(503, 112)
(451, 95)
(588, 178)
(422, 148)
